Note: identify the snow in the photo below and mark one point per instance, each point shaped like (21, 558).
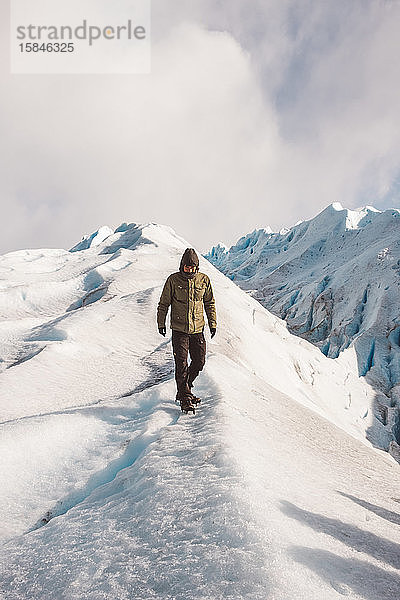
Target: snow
(271, 490)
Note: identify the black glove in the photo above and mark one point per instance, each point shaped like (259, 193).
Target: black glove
(213, 331)
(162, 330)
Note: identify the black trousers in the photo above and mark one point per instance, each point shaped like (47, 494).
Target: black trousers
(195, 345)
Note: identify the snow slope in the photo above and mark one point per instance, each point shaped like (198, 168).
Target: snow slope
(335, 280)
(270, 491)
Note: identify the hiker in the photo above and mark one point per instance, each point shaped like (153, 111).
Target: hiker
(187, 292)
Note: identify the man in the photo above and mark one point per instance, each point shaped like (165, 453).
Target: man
(187, 292)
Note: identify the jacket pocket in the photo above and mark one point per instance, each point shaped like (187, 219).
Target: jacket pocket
(178, 317)
(180, 293)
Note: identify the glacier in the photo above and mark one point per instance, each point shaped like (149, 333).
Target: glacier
(335, 280)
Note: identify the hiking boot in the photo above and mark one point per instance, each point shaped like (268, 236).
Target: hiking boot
(181, 397)
(187, 406)
(194, 399)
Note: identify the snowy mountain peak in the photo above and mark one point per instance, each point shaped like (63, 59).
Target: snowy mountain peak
(94, 239)
(335, 217)
(336, 206)
(125, 236)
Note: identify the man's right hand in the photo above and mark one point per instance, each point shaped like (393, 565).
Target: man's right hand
(162, 330)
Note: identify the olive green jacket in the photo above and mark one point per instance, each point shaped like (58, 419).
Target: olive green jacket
(187, 297)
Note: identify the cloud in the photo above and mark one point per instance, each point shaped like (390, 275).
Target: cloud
(182, 146)
(330, 71)
(252, 116)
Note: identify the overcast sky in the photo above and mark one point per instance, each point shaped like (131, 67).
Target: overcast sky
(255, 113)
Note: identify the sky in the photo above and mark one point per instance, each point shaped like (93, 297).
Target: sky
(254, 114)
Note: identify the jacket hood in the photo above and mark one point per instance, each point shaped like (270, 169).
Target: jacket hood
(189, 257)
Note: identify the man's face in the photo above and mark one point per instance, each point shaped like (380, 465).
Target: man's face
(189, 268)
